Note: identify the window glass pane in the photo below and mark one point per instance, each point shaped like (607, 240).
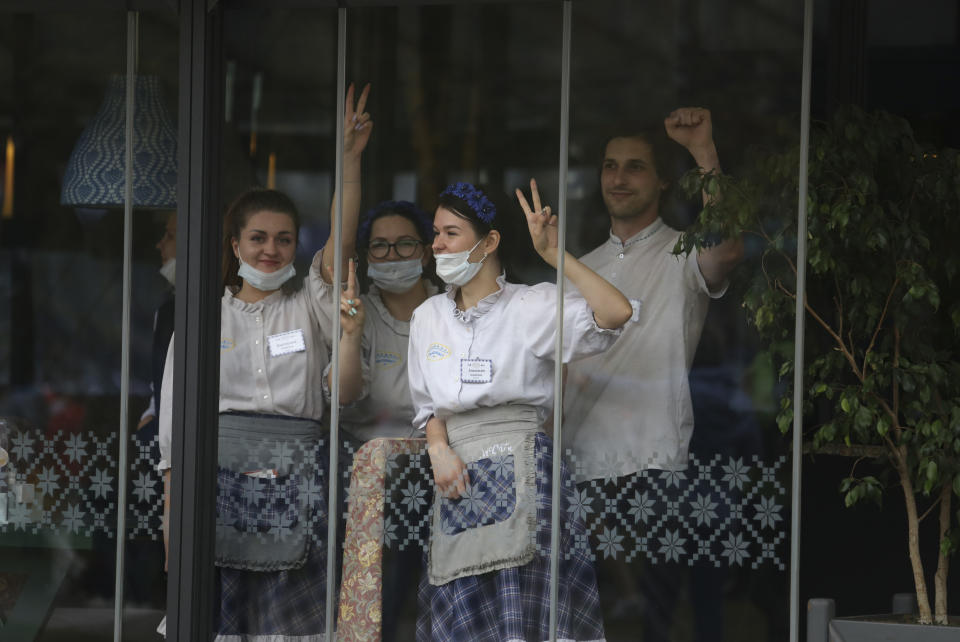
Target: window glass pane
(277, 327)
(682, 476)
(459, 94)
(61, 118)
(878, 69)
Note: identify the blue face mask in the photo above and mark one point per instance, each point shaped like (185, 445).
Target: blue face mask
(265, 281)
(395, 276)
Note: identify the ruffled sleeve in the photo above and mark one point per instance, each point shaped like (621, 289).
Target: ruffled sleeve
(582, 337)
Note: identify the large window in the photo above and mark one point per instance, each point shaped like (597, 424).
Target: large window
(653, 500)
(82, 294)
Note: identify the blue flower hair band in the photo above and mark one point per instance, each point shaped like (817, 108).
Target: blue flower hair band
(484, 208)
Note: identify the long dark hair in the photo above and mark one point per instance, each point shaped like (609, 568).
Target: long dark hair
(243, 207)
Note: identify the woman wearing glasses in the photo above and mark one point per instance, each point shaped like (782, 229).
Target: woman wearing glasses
(396, 236)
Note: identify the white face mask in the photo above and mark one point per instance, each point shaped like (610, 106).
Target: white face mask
(265, 281)
(455, 269)
(395, 276)
(168, 271)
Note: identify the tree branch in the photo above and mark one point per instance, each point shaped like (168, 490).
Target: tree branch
(932, 506)
(826, 326)
(861, 451)
(893, 380)
(883, 316)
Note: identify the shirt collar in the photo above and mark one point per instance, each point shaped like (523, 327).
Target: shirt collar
(398, 326)
(482, 306)
(230, 296)
(642, 235)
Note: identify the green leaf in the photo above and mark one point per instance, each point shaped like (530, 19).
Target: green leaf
(931, 470)
(883, 425)
(786, 368)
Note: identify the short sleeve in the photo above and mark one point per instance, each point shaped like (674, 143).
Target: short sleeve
(693, 278)
(165, 417)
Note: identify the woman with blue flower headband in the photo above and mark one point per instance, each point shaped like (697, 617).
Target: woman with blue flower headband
(481, 366)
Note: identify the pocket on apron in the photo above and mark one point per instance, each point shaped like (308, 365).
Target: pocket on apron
(491, 498)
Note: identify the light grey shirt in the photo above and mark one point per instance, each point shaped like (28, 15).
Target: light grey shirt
(388, 410)
(513, 329)
(258, 372)
(629, 409)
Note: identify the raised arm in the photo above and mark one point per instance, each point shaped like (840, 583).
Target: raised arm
(351, 355)
(692, 128)
(356, 133)
(610, 308)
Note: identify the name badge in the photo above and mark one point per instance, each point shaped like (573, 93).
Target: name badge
(476, 370)
(286, 342)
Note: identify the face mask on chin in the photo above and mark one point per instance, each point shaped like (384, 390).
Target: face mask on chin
(456, 269)
(168, 271)
(265, 281)
(395, 276)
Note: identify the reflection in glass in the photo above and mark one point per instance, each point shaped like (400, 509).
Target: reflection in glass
(451, 106)
(277, 331)
(670, 433)
(61, 351)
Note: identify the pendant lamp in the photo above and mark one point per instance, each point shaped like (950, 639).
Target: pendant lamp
(94, 174)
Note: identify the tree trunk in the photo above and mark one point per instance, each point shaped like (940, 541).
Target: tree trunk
(943, 560)
(913, 540)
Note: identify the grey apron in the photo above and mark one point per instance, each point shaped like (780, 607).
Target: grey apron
(270, 471)
(493, 525)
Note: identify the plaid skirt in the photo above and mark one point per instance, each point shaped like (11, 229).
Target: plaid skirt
(281, 606)
(514, 604)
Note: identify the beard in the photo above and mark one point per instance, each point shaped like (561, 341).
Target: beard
(632, 209)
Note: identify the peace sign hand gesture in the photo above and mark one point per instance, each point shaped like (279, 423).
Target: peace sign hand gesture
(357, 125)
(351, 308)
(542, 223)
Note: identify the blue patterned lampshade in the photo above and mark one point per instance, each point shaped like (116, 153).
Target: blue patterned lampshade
(94, 174)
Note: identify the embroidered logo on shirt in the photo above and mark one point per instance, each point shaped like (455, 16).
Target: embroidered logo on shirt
(437, 352)
(386, 360)
(227, 344)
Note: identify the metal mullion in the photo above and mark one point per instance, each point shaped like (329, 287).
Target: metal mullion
(133, 36)
(333, 477)
(190, 604)
(558, 345)
(799, 340)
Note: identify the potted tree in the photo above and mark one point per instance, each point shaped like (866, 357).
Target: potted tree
(882, 371)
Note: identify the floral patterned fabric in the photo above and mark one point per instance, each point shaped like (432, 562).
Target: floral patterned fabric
(361, 589)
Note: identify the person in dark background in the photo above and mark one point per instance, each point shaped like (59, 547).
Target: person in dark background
(162, 327)
(630, 409)
(145, 568)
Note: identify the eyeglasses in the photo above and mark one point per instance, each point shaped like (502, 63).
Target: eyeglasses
(405, 248)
